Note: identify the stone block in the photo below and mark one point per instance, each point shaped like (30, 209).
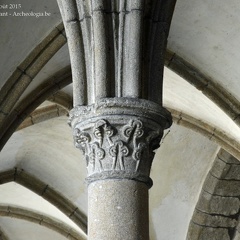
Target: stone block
(218, 205)
(197, 232)
(228, 158)
(220, 168)
(233, 173)
(9, 84)
(34, 54)
(222, 187)
(208, 220)
(15, 92)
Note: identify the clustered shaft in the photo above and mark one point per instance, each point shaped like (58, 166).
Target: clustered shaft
(117, 52)
(117, 47)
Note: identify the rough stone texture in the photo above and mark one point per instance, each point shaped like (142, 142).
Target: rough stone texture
(118, 137)
(228, 188)
(213, 221)
(118, 209)
(237, 235)
(117, 47)
(220, 169)
(117, 54)
(233, 173)
(228, 158)
(226, 168)
(218, 205)
(207, 233)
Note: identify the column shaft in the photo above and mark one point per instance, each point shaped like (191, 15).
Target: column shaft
(119, 149)
(118, 209)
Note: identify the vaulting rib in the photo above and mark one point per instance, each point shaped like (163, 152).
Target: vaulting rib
(160, 20)
(18, 212)
(75, 43)
(83, 8)
(117, 47)
(132, 48)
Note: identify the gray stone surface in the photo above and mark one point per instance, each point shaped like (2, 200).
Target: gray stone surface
(226, 167)
(228, 188)
(118, 209)
(117, 54)
(213, 220)
(237, 235)
(207, 233)
(220, 169)
(217, 210)
(118, 137)
(228, 158)
(233, 173)
(117, 47)
(218, 205)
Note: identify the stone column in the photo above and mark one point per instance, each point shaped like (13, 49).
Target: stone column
(118, 209)
(117, 57)
(118, 137)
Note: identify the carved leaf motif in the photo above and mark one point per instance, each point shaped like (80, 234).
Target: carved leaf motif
(96, 154)
(97, 133)
(138, 130)
(102, 128)
(137, 154)
(81, 138)
(100, 123)
(106, 147)
(109, 131)
(134, 128)
(118, 151)
(98, 130)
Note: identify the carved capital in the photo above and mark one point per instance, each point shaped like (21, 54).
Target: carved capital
(118, 137)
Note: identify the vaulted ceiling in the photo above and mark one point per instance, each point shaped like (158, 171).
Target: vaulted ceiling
(196, 170)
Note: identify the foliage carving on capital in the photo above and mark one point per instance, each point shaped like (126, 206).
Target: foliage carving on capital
(118, 151)
(117, 147)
